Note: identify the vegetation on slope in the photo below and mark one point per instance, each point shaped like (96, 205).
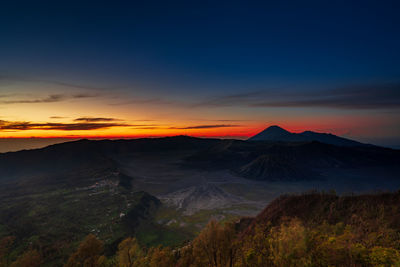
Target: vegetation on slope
(307, 230)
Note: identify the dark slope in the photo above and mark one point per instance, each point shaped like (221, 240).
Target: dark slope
(56, 220)
(88, 154)
(276, 133)
(275, 167)
(254, 160)
(313, 209)
(328, 138)
(291, 161)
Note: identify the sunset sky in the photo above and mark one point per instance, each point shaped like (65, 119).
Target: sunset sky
(201, 68)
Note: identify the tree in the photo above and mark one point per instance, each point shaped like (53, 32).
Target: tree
(215, 246)
(5, 248)
(31, 258)
(288, 244)
(88, 253)
(255, 249)
(384, 256)
(160, 257)
(130, 253)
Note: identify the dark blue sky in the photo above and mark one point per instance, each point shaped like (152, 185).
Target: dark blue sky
(231, 43)
(240, 57)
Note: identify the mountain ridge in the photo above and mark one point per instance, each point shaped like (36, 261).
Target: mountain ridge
(278, 134)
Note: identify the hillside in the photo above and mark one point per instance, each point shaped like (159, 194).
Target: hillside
(324, 230)
(282, 161)
(252, 160)
(314, 209)
(313, 229)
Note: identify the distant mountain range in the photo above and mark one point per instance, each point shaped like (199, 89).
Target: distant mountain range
(287, 157)
(276, 134)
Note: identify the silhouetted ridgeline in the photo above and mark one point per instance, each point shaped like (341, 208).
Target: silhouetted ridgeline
(275, 133)
(263, 160)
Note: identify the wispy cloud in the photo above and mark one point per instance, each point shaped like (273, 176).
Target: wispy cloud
(380, 96)
(47, 99)
(58, 117)
(219, 120)
(230, 120)
(146, 127)
(23, 126)
(84, 95)
(28, 78)
(145, 101)
(205, 126)
(229, 99)
(362, 97)
(97, 119)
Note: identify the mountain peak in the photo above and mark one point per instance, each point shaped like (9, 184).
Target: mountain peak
(275, 133)
(275, 128)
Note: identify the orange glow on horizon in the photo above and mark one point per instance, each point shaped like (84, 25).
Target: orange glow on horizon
(332, 125)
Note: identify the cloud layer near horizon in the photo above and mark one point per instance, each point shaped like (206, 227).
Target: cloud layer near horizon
(367, 96)
(87, 124)
(52, 98)
(23, 126)
(383, 96)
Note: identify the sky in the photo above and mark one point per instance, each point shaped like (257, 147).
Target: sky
(226, 69)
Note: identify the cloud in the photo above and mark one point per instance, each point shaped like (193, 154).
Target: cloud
(98, 119)
(145, 127)
(368, 97)
(48, 99)
(219, 120)
(380, 96)
(23, 126)
(58, 117)
(28, 78)
(205, 126)
(230, 99)
(146, 101)
(84, 95)
(230, 120)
